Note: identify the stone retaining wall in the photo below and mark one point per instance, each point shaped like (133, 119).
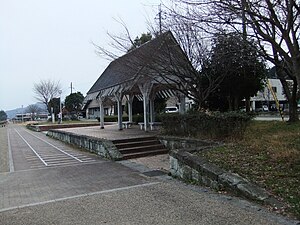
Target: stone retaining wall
(192, 168)
(186, 143)
(102, 147)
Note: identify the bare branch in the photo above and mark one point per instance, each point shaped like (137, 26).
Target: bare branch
(46, 90)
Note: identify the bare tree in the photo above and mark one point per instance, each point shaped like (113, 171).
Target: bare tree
(45, 90)
(119, 44)
(274, 25)
(187, 66)
(183, 70)
(33, 109)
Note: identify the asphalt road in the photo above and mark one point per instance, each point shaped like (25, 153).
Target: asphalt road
(48, 182)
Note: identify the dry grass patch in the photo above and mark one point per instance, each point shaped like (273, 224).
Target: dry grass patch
(269, 155)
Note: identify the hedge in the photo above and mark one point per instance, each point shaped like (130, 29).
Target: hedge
(202, 125)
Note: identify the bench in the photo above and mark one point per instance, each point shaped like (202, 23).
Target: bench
(127, 124)
(141, 125)
(153, 125)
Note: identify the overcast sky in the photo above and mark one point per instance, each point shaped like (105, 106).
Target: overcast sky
(51, 39)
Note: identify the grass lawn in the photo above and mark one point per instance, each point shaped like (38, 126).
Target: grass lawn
(268, 155)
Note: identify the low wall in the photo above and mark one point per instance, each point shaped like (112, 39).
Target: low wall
(102, 147)
(171, 142)
(40, 128)
(192, 168)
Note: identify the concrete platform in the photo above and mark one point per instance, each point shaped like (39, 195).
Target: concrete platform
(111, 132)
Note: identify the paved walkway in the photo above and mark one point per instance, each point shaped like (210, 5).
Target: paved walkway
(29, 187)
(4, 166)
(156, 203)
(122, 192)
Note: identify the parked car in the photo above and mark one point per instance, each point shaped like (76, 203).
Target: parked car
(171, 109)
(265, 108)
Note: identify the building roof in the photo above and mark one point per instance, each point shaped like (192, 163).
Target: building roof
(140, 62)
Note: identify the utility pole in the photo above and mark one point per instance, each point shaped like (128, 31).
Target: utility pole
(71, 87)
(159, 18)
(60, 110)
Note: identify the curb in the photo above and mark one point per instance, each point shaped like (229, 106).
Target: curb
(185, 165)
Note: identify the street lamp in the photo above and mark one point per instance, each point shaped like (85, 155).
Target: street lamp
(60, 111)
(22, 113)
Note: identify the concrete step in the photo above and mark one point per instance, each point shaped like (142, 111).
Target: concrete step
(134, 140)
(144, 154)
(140, 147)
(133, 144)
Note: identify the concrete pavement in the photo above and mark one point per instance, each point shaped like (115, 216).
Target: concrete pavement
(108, 192)
(4, 165)
(156, 203)
(34, 186)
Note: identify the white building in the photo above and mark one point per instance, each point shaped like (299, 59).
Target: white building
(265, 97)
(93, 109)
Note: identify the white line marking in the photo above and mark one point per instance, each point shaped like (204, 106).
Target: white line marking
(78, 196)
(68, 160)
(55, 147)
(62, 163)
(10, 158)
(61, 166)
(31, 148)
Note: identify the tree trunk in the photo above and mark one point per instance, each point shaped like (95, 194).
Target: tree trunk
(293, 104)
(247, 102)
(229, 103)
(236, 103)
(293, 114)
(290, 93)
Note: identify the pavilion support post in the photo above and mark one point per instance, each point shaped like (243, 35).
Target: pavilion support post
(101, 108)
(119, 97)
(146, 111)
(145, 89)
(87, 113)
(130, 100)
(151, 105)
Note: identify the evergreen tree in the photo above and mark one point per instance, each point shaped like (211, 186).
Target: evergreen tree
(3, 115)
(243, 70)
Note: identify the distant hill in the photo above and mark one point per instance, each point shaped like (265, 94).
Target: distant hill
(12, 113)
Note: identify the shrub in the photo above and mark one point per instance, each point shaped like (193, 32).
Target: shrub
(214, 126)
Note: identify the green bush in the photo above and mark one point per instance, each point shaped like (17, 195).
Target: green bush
(214, 126)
